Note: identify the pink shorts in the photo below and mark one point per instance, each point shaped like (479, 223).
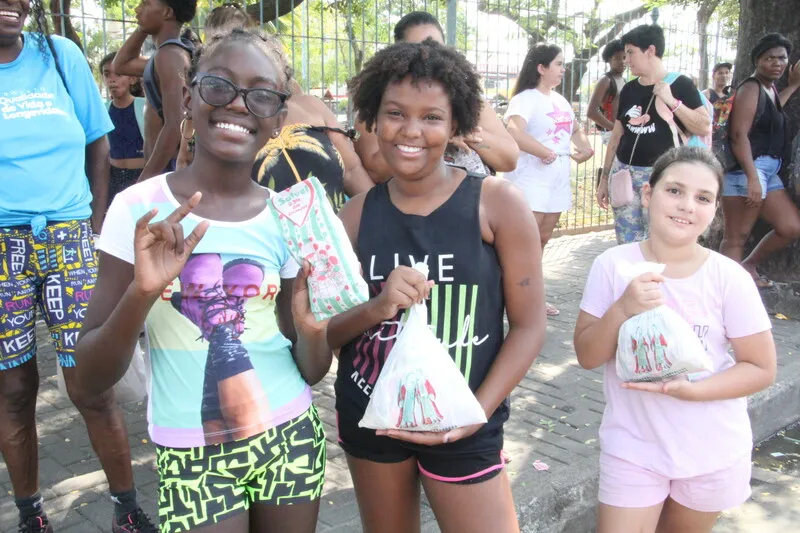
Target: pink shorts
(623, 484)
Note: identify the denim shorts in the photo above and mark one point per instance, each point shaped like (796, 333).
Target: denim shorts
(735, 183)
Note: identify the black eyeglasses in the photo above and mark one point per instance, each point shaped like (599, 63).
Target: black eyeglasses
(217, 91)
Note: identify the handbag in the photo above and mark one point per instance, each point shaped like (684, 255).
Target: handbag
(620, 187)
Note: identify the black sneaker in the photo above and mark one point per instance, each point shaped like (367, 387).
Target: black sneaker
(36, 524)
(133, 522)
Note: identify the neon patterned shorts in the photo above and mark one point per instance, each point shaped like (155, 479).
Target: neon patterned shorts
(205, 485)
(56, 271)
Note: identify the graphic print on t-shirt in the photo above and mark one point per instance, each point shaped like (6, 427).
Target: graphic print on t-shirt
(562, 123)
(213, 297)
(638, 122)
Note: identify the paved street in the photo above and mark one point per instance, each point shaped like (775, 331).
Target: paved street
(555, 416)
(775, 506)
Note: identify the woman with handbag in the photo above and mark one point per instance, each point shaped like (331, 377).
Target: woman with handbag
(758, 141)
(54, 166)
(652, 117)
(542, 123)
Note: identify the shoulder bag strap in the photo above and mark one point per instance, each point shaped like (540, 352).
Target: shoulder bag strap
(646, 111)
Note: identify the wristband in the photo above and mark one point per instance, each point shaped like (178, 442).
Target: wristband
(677, 105)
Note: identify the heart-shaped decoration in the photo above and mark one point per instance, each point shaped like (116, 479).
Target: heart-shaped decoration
(295, 202)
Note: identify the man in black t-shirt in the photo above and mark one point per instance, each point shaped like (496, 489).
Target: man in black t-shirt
(654, 111)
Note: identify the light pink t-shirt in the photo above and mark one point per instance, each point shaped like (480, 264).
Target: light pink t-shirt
(678, 438)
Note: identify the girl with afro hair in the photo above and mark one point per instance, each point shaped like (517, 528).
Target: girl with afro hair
(476, 237)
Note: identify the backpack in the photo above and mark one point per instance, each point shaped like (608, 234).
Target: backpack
(692, 140)
(720, 127)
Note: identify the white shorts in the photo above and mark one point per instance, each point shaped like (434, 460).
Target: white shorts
(547, 188)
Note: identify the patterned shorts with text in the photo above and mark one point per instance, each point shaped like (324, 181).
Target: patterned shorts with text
(54, 270)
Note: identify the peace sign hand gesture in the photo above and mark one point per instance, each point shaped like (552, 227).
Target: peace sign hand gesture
(160, 250)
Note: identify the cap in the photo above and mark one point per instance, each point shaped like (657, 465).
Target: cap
(718, 66)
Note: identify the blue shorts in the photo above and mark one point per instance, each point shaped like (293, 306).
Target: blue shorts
(735, 182)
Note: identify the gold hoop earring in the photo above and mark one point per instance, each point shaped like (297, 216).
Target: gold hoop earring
(183, 127)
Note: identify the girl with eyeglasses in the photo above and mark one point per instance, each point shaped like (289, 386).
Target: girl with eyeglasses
(197, 256)
(310, 143)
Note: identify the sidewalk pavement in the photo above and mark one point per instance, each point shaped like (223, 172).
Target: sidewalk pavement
(555, 415)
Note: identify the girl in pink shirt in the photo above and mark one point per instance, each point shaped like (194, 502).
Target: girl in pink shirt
(676, 454)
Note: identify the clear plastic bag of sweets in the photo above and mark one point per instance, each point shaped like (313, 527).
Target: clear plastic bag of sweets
(657, 345)
(420, 387)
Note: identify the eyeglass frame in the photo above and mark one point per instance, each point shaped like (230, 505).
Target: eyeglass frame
(239, 91)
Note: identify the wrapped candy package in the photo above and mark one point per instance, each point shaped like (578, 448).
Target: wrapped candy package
(314, 233)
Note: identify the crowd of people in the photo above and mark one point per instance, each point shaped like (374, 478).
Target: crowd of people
(150, 214)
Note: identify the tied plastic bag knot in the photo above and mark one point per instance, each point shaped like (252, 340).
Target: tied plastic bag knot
(420, 388)
(658, 344)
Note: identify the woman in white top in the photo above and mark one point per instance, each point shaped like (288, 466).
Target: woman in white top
(544, 126)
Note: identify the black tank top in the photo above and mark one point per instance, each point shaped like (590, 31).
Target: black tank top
(298, 152)
(465, 308)
(152, 89)
(125, 139)
(767, 135)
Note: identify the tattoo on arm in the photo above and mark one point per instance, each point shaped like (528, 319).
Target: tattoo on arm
(525, 282)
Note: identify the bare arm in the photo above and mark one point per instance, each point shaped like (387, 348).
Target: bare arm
(793, 85)
(367, 149)
(755, 370)
(526, 143)
(309, 345)
(595, 338)
(496, 146)
(171, 64)
(695, 121)
(129, 61)
(594, 112)
(581, 142)
(516, 238)
(112, 326)
(611, 149)
(98, 169)
(741, 121)
(347, 326)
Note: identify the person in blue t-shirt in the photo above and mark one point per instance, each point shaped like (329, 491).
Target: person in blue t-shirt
(54, 166)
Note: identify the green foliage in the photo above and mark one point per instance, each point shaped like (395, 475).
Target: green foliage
(726, 10)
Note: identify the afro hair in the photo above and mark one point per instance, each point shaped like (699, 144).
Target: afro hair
(427, 61)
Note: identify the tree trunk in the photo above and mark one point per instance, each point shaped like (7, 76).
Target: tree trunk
(756, 18)
(702, 35)
(68, 29)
